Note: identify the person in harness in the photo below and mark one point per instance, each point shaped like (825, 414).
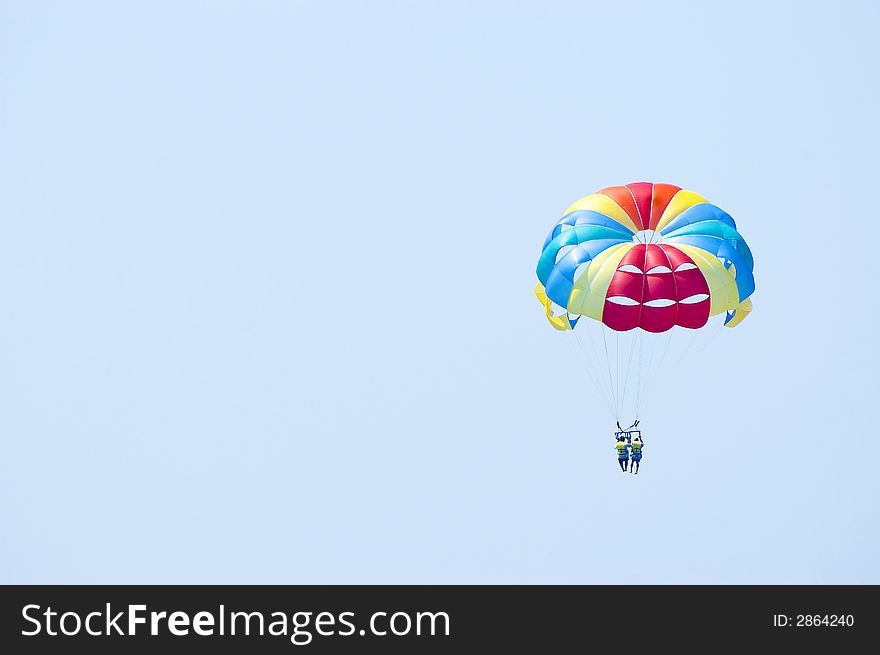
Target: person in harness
(622, 452)
(637, 445)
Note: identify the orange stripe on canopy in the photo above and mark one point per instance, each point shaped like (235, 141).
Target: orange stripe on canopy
(622, 196)
(662, 195)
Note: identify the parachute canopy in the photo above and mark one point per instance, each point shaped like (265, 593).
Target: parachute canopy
(645, 255)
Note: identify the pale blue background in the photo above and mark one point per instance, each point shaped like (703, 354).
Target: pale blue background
(266, 279)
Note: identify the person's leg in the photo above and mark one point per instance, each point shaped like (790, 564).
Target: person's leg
(636, 465)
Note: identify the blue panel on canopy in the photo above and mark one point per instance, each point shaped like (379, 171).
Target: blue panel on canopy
(697, 213)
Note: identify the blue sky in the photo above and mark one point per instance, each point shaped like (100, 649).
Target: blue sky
(266, 275)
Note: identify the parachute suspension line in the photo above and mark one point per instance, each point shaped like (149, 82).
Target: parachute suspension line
(578, 355)
(688, 347)
(596, 368)
(666, 349)
(649, 369)
(617, 367)
(639, 376)
(592, 369)
(608, 362)
(715, 332)
(653, 370)
(632, 347)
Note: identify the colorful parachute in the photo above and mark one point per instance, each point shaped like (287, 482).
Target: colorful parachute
(644, 255)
